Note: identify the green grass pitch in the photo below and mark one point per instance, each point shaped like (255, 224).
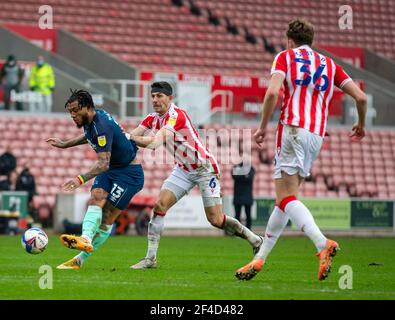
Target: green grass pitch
(199, 268)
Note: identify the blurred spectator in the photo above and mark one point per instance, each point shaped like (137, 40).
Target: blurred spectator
(8, 182)
(269, 47)
(26, 182)
(42, 80)
(7, 162)
(230, 27)
(11, 76)
(212, 18)
(13, 177)
(5, 184)
(195, 10)
(178, 3)
(243, 176)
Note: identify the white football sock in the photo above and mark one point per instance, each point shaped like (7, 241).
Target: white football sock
(303, 219)
(234, 226)
(87, 238)
(155, 229)
(275, 226)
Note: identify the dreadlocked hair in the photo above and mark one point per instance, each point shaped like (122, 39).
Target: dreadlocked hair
(83, 97)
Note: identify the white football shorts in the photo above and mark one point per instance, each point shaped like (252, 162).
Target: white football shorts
(296, 149)
(180, 182)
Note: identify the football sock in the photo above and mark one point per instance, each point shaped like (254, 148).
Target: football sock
(100, 237)
(275, 226)
(155, 228)
(92, 221)
(303, 219)
(234, 226)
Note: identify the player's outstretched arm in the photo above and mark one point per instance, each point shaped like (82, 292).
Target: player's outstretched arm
(358, 130)
(152, 142)
(139, 131)
(58, 143)
(102, 164)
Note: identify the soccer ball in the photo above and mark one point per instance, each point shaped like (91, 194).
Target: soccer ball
(34, 240)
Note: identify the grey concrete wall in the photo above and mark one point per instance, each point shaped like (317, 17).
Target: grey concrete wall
(383, 67)
(24, 50)
(93, 58)
(382, 90)
(68, 74)
(99, 62)
(62, 92)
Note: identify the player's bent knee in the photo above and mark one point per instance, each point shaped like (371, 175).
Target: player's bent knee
(98, 197)
(109, 219)
(215, 217)
(96, 202)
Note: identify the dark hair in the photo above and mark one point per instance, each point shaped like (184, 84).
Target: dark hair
(83, 97)
(301, 31)
(162, 86)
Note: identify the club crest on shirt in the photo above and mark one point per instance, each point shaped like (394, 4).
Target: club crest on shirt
(101, 141)
(171, 121)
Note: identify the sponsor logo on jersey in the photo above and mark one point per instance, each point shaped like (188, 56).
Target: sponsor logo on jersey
(172, 121)
(101, 141)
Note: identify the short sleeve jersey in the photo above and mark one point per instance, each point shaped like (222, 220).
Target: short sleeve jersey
(309, 82)
(104, 134)
(187, 148)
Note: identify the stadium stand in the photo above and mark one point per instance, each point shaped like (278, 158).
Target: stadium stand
(145, 34)
(372, 30)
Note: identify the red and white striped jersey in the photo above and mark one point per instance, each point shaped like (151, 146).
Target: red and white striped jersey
(188, 150)
(308, 87)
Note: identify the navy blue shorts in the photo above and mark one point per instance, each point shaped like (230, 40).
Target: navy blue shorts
(121, 184)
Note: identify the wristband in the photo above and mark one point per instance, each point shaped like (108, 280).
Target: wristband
(81, 179)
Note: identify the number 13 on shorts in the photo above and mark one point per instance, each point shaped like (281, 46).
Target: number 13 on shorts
(116, 192)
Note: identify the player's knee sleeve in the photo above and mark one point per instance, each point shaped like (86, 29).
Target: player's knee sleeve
(211, 201)
(156, 224)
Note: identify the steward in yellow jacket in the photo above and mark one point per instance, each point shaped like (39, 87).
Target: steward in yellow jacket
(42, 78)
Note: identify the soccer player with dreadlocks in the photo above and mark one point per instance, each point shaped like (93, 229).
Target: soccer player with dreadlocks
(118, 176)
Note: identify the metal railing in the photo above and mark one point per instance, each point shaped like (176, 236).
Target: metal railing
(137, 91)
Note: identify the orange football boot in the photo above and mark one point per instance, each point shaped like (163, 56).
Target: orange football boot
(250, 270)
(75, 242)
(326, 256)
